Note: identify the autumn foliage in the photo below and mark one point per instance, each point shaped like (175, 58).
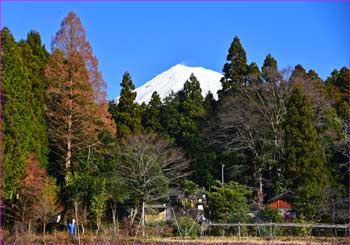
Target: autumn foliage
(76, 99)
(37, 199)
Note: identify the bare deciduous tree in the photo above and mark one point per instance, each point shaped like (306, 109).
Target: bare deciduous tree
(148, 165)
(251, 122)
(314, 88)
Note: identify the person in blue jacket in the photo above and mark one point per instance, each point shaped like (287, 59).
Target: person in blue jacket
(71, 228)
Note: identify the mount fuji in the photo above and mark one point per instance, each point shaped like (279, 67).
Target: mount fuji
(174, 80)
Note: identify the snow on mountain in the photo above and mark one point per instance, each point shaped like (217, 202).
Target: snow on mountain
(174, 80)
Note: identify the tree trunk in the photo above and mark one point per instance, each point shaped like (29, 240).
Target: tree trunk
(69, 133)
(44, 231)
(69, 148)
(133, 214)
(76, 219)
(260, 194)
(98, 224)
(45, 215)
(334, 211)
(143, 219)
(44, 225)
(29, 226)
(114, 211)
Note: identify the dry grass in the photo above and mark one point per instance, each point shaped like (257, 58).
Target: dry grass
(251, 240)
(91, 238)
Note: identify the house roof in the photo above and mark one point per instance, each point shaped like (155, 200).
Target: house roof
(285, 195)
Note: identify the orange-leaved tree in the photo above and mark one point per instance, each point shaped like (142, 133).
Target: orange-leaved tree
(77, 109)
(37, 199)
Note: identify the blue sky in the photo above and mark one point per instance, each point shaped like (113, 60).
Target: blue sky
(148, 38)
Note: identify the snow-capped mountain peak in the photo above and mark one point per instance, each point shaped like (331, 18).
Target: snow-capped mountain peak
(174, 80)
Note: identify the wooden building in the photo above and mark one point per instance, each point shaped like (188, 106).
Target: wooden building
(282, 201)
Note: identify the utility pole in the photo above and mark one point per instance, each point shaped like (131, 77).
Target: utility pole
(222, 173)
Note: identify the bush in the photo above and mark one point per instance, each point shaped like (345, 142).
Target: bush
(301, 231)
(159, 229)
(228, 202)
(188, 227)
(269, 214)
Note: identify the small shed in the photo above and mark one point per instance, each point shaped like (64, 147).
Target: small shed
(156, 212)
(282, 201)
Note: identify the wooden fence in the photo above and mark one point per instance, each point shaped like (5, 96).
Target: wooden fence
(272, 227)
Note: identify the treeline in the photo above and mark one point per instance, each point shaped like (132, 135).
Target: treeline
(66, 150)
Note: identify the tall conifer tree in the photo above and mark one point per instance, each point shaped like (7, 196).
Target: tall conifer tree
(253, 74)
(209, 103)
(152, 120)
(76, 101)
(339, 89)
(270, 70)
(305, 159)
(304, 152)
(192, 103)
(16, 114)
(35, 56)
(126, 113)
(235, 70)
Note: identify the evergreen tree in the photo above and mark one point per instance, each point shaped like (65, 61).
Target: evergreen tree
(170, 116)
(152, 120)
(35, 56)
(270, 65)
(337, 86)
(270, 70)
(229, 202)
(209, 103)
(254, 74)
(299, 73)
(143, 109)
(235, 70)
(17, 122)
(180, 116)
(192, 102)
(305, 160)
(180, 111)
(338, 89)
(190, 108)
(303, 150)
(328, 126)
(126, 113)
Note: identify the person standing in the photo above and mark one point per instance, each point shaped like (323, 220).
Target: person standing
(71, 228)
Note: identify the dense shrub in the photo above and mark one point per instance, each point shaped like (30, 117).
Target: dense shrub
(269, 214)
(188, 227)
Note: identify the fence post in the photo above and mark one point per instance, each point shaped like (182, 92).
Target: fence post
(239, 232)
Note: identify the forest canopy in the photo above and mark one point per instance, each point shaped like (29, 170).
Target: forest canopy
(69, 151)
